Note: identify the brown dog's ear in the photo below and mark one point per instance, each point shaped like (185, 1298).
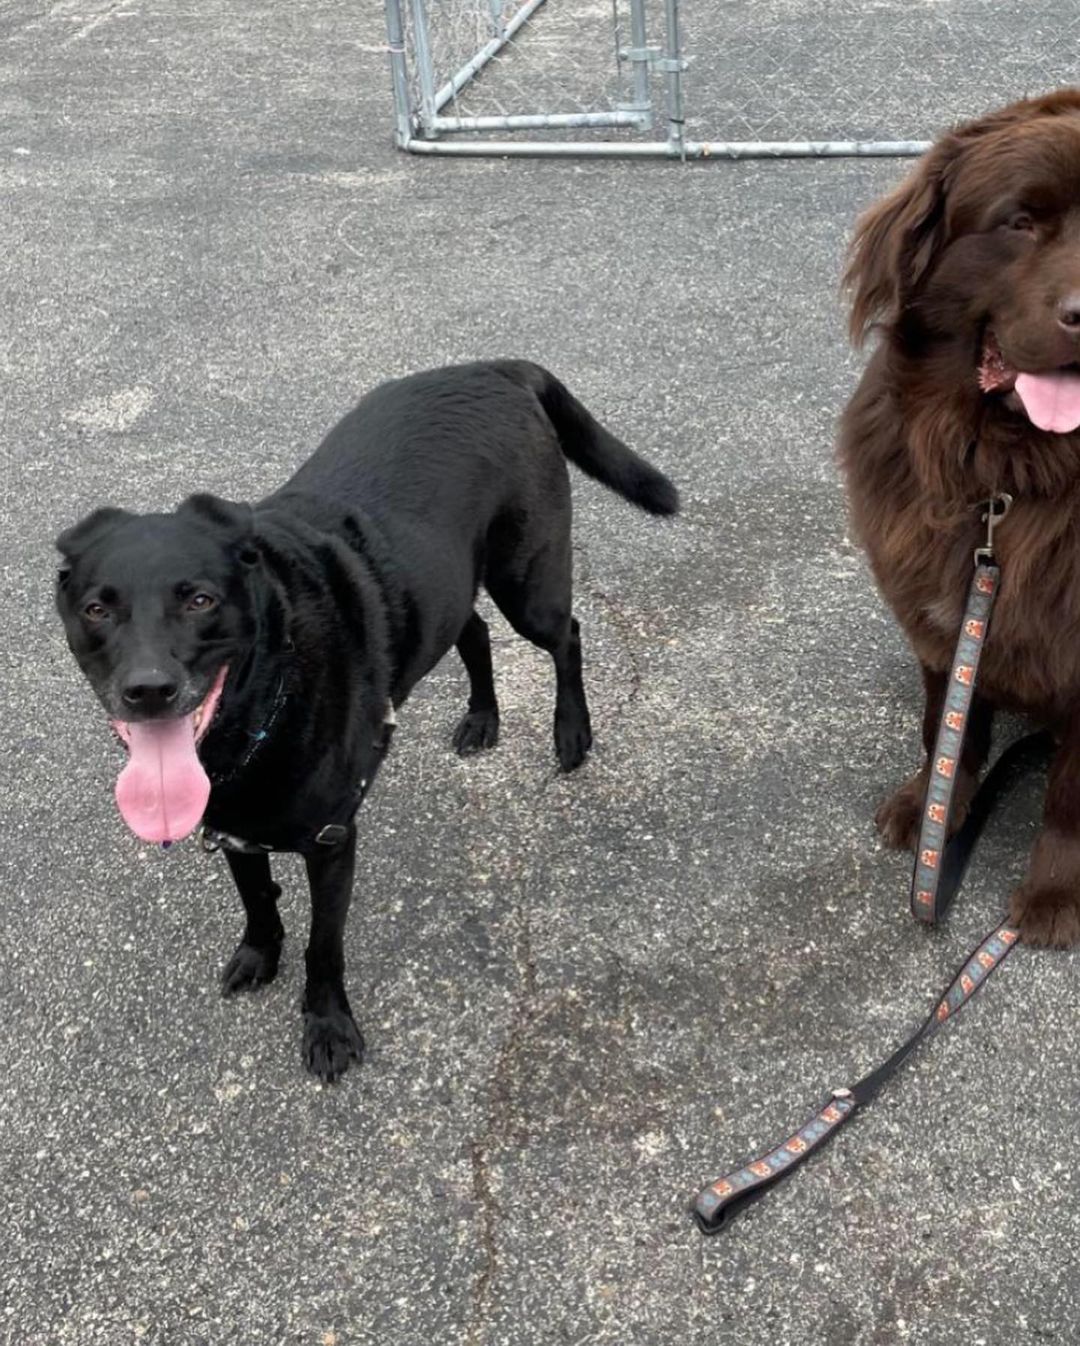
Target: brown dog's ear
(895, 242)
(75, 538)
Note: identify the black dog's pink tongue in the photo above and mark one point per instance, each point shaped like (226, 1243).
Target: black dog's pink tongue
(162, 792)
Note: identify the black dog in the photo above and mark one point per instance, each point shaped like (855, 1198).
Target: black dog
(251, 657)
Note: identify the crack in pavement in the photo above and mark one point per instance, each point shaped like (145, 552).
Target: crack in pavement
(528, 1013)
(529, 1010)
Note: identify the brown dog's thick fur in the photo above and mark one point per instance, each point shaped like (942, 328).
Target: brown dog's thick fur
(970, 270)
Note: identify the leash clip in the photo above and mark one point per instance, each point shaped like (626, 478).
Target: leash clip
(996, 509)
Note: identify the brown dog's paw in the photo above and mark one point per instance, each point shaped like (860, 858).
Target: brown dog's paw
(1046, 914)
(899, 817)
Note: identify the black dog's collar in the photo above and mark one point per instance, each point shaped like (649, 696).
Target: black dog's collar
(259, 737)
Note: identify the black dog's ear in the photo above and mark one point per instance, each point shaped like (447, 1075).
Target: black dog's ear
(223, 513)
(236, 520)
(73, 540)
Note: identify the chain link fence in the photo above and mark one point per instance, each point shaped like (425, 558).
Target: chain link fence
(758, 78)
(487, 66)
(563, 72)
(868, 70)
(584, 68)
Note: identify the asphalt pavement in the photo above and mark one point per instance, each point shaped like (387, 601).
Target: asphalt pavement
(582, 996)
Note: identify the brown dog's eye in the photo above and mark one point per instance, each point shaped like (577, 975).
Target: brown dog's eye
(95, 612)
(201, 602)
(1022, 222)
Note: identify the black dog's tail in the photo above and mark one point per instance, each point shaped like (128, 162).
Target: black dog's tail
(592, 448)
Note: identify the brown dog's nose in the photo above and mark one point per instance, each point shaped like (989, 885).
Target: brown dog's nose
(149, 690)
(1068, 314)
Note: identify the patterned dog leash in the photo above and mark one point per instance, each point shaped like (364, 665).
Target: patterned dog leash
(939, 868)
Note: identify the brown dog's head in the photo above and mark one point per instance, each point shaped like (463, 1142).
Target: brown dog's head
(973, 263)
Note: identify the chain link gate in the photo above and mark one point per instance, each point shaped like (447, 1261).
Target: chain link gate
(463, 69)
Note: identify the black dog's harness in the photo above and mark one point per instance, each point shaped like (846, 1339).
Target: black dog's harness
(331, 833)
(939, 868)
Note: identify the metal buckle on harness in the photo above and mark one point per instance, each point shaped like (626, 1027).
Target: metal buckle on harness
(213, 840)
(333, 834)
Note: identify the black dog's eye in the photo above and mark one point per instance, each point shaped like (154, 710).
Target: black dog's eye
(201, 602)
(1022, 222)
(95, 612)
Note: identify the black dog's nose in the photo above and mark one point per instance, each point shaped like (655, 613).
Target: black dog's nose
(1068, 314)
(149, 690)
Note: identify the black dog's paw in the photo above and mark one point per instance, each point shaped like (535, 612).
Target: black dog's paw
(331, 1041)
(573, 739)
(249, 967)
(478, 730)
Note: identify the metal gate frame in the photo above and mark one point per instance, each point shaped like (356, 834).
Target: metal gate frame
(422, 129)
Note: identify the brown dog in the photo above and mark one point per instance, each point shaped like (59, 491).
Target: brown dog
(971, 270)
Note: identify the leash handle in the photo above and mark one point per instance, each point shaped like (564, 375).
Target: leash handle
(930, 895)
(715, 1205)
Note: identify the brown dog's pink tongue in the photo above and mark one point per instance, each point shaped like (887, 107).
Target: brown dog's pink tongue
(1052, 401)
(162, 792)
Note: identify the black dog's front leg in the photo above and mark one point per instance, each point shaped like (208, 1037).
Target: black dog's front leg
(258, 953)
(331, 1037)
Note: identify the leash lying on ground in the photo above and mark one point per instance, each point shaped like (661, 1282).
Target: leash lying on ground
(938, 871)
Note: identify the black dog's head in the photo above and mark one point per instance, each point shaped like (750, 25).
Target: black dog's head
(154, 605)
(157, 607)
